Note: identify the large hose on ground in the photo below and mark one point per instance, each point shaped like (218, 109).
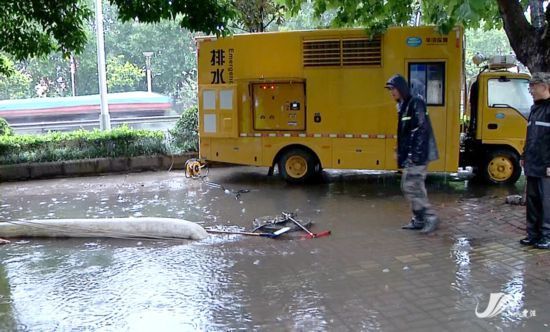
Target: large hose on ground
(125, 228)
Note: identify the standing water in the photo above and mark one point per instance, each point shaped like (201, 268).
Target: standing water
(368, 275)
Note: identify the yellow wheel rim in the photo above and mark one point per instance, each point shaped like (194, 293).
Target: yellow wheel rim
(296, 167)
(500, 168)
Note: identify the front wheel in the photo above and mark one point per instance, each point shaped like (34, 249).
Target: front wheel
(501, 167)
(298, 165)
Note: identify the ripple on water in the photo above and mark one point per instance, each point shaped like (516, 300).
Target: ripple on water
(94, 286)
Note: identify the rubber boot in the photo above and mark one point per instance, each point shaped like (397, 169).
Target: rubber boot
(417, 221)
(430, 225)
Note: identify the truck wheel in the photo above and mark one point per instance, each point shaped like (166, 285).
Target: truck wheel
(297, 165)
(501, 167)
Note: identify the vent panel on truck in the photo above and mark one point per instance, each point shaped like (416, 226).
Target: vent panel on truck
(342, 52)
(362, 52)
(322, 53)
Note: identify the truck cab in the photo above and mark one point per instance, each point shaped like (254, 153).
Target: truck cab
(495, 122)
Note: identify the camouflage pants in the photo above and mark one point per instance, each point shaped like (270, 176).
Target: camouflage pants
(414, 189)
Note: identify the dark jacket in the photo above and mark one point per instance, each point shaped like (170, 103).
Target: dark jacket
(415, 138)
(536, 153)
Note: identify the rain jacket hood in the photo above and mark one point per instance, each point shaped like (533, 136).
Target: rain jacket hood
(400, 83)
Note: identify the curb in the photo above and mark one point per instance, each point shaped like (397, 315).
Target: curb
(85, 167)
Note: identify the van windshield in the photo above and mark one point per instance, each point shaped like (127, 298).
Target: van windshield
(510, 92)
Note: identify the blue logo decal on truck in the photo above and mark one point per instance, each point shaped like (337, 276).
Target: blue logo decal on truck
(414, 41)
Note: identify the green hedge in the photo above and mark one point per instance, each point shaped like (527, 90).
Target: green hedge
(82, 144)
(184, 136)
(5, 128)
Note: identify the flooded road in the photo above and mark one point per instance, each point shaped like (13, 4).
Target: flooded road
(368, 275)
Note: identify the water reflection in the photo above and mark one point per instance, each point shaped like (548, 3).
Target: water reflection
(515, 305)
(472, 292)
(119, 286)
(460, 253)
(7, 317)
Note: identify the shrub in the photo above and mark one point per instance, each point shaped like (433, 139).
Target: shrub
(81, 144)
(185, 136)
(5, 129)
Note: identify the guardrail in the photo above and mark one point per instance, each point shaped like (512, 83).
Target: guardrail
(41, 127)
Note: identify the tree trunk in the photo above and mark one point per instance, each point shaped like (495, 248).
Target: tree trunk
(536, 7)
(531, 45)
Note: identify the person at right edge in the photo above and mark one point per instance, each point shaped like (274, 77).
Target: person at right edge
(416, 147)
(536, 164)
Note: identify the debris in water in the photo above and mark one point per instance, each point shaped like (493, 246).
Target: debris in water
(515, 200)
(271, 224)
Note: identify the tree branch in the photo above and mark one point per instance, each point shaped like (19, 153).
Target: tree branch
(519, 31)
(271, 21)
(235, 26)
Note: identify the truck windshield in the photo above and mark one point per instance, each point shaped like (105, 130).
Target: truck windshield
(510, 92)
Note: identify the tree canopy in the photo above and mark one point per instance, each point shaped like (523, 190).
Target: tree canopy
(531, 43)
(377, 15)
(208, 16)
(38, 27)
(173, 63)
(35, 28)
(257, 15)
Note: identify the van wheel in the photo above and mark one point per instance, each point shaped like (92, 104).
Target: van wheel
(298, 165)
(501, 167)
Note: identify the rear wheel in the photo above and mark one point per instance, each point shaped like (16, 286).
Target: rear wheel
(501, 167)
(298, 165)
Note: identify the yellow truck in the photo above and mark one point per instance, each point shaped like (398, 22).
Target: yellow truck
(310, 100)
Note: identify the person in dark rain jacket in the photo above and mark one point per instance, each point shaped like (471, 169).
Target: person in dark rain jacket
(416, 147)
(536, 163)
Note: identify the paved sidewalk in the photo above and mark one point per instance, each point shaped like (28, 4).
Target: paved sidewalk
(478, 242)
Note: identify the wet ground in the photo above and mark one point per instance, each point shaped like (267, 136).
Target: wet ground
(368, 275)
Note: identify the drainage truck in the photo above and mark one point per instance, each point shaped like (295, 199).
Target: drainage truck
(310, 100)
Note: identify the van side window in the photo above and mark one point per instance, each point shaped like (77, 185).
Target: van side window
(514, 93)
(427, 79)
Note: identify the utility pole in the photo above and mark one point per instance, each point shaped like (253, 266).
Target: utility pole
(73, 72)
(104, 117)
(148, 68)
